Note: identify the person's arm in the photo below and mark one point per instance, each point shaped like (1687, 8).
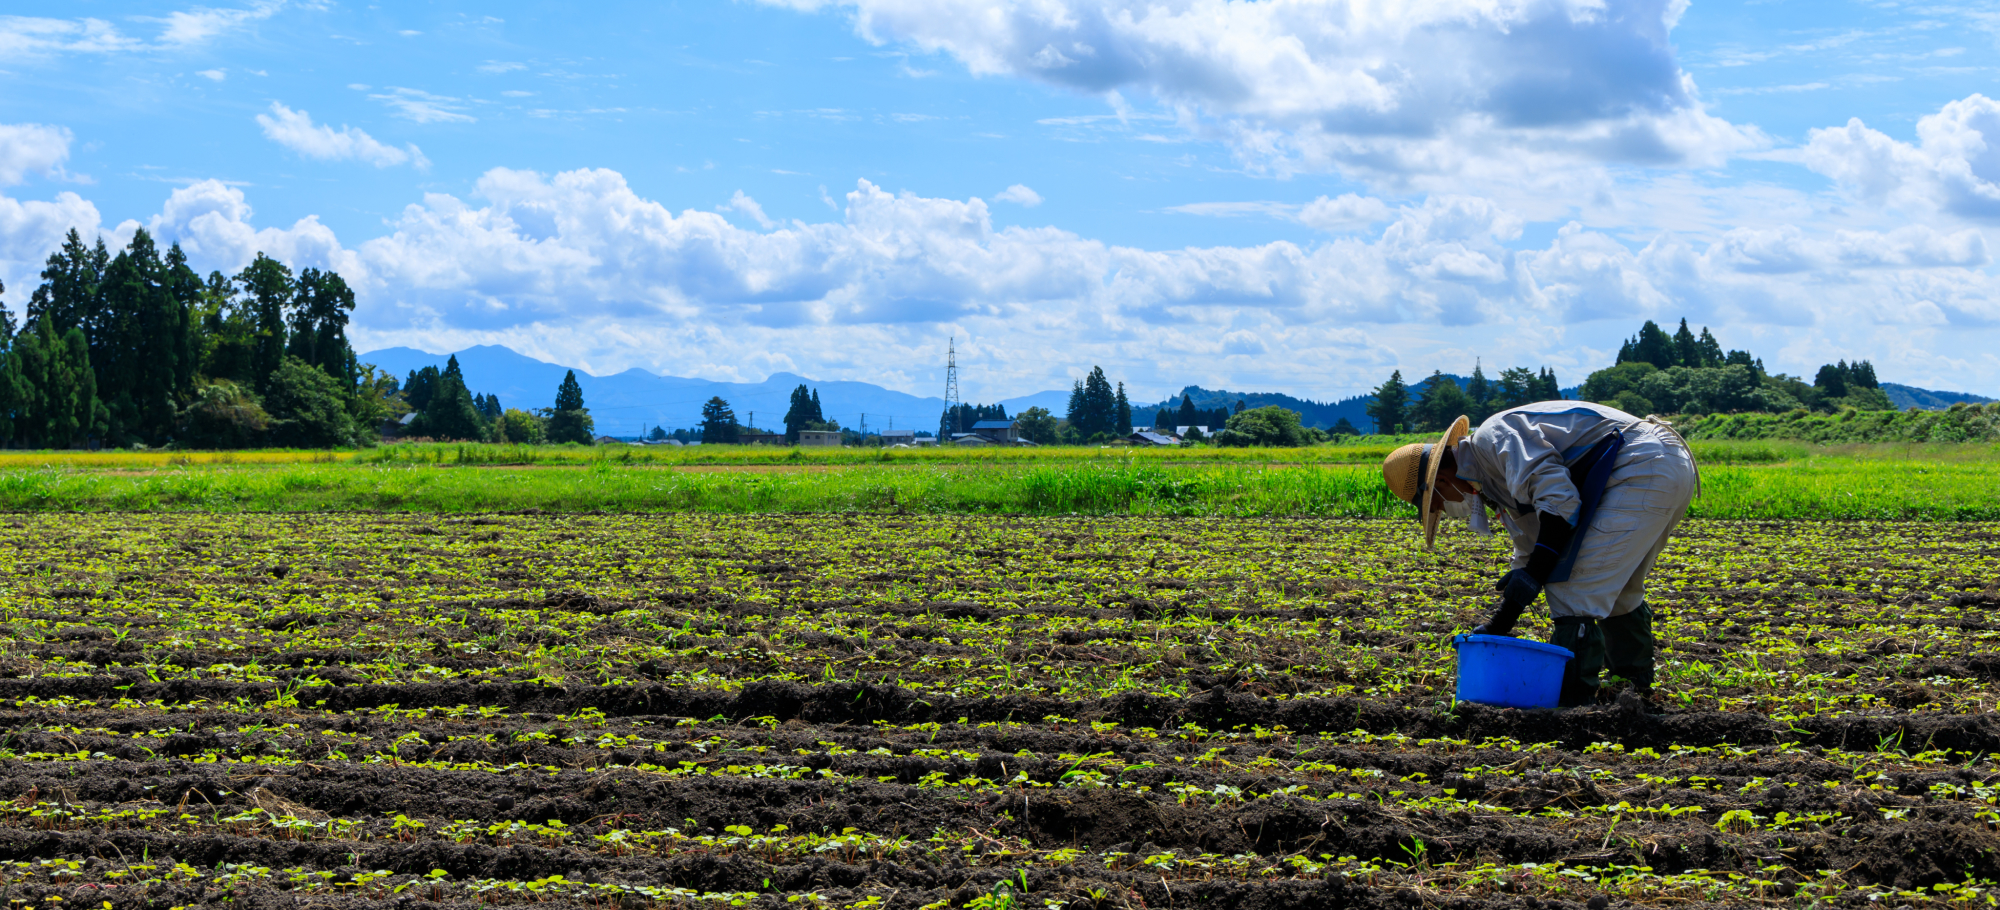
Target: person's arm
(1534, 473)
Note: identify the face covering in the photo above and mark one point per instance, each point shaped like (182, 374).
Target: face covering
(1472, 511)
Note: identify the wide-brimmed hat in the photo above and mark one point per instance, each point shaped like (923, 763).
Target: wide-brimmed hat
(1412, 471)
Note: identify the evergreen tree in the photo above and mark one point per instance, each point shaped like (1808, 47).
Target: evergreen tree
(569, 420)
(1862, 376)
(1440, 402)
(1388, 410)
(449, 414)
(419, 387)
(1163, 420)
(12, 391)
(718, 422)
(1478, 396)
(1188, 415)
(321, 304)
(1711, 350)
(801, 414)
(1549, 389)
(68, 296)
(270, 287)
(1098, 408)
(1124, 413)
(1832, 380)
(1687, 349)
(1342, 427)
(1653, 345)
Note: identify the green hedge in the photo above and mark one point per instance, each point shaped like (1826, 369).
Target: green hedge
(1959, 423)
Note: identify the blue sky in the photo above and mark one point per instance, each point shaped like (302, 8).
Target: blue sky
(1291, 195)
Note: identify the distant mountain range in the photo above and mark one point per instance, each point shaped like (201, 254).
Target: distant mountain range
(1905, 397)
(1322, 414)
(632, 402)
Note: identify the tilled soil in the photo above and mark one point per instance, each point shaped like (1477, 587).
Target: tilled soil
(758, 711)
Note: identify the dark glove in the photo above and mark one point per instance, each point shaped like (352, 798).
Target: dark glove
(1519, 587)
(1509, 611)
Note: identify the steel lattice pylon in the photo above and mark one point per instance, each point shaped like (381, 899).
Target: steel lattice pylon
(951, 389)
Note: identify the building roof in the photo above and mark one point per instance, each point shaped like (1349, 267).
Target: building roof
(1158, 439)
(898, 433)
(994, 425)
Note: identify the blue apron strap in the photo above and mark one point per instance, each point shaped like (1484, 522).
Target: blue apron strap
(1590, 488)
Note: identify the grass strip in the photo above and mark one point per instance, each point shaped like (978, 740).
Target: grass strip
(1831, 488)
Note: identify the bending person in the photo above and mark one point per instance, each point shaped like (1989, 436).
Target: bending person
(1589, 495)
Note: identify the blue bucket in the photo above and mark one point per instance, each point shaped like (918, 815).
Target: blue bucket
(1509, 672)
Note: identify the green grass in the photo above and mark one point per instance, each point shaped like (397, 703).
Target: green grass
(1903, 485)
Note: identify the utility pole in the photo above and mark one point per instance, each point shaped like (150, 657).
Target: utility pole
(864, 424)
(951, 389)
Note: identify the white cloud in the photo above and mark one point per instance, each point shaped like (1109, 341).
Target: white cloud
(31, 148)
(1346, 212)
(213, 75)
(197, 25)
(496, 67)
(748, 206)
(1954, 167)
(1019, 195)
(1409, 93)
(578, 267)
(211, 222)
(31, 36)
(424, 107)
(295, 130)
(36, 36)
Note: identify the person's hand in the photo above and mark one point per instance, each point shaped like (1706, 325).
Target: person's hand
(1491, 627)
(1518, 588)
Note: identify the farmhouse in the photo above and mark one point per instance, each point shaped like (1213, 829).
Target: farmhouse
(1148, 438)
(819, 438)
(997, 430)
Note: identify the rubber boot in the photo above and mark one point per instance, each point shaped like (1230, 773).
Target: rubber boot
(1584, 639)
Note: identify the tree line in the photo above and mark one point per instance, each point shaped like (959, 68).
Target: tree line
(1441, 400)
(442, 407)
(1685, 373)
(137, 349)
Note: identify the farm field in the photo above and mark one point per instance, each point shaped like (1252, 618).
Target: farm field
(951, 711)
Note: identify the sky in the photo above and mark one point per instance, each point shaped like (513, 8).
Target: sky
(1285, 195)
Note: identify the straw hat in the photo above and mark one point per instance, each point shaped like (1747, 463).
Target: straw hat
(1412, 472)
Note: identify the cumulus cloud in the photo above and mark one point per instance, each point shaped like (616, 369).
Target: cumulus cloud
(1954, 166)
(211, 222)
(31, 148)
(1019, 195)
(1346, 212)
(1393, 91)
(748, 206)
(295, 130)
(578, 267)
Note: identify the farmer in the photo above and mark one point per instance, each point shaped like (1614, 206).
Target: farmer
(1589, 494)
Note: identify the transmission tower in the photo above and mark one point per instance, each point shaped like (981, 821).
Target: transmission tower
(951, 389)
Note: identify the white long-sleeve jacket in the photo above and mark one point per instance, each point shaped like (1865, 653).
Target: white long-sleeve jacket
(1520, 458)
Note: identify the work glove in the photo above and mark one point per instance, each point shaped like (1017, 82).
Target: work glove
(1519, 587)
